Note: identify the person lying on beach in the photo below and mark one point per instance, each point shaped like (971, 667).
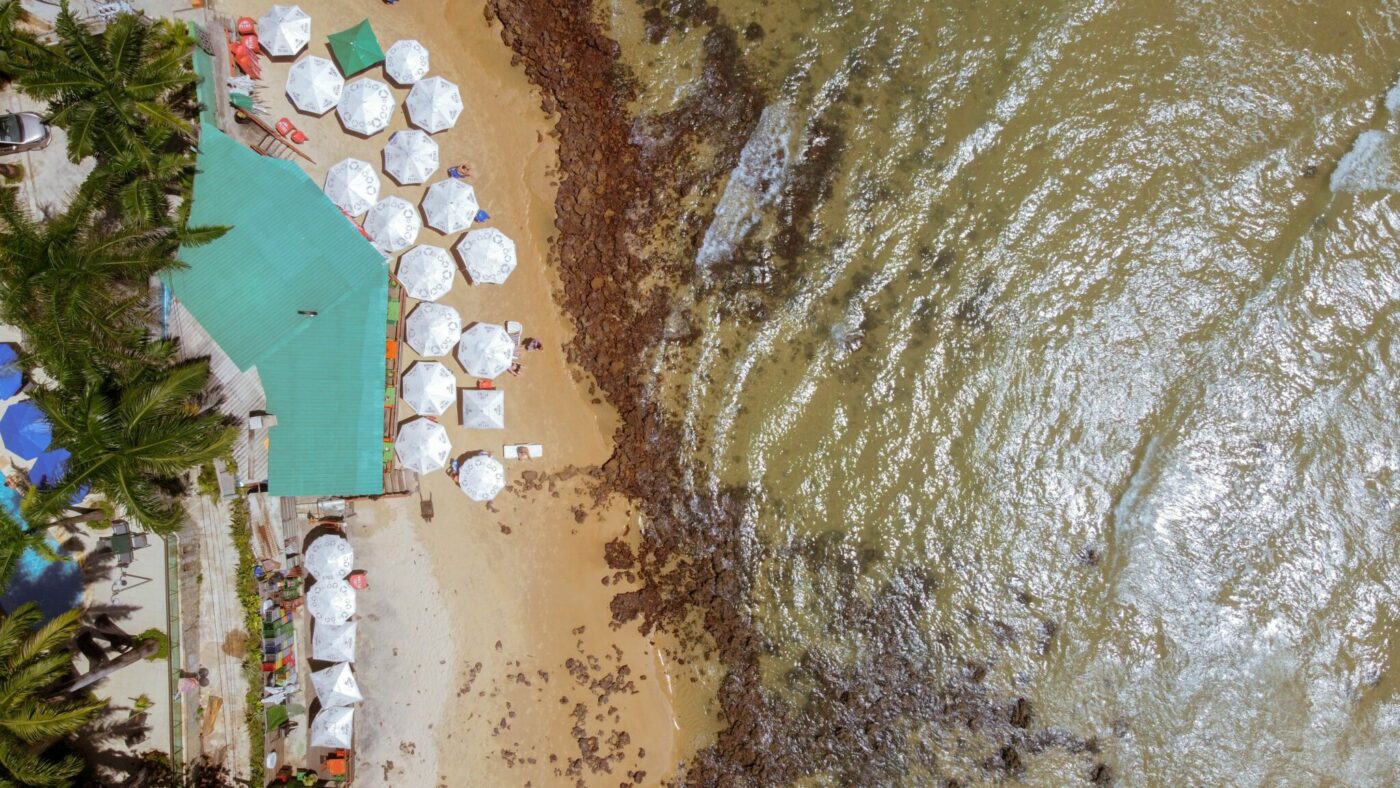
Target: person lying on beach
(460, 171)
(452, 470)
(515, 368)
(531, 343)
(522, 452)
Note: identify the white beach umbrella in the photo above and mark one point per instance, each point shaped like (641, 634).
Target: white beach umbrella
(481, 477)
(366, 106)
(426, 272)
(330, 557)
(331, 602)
(429, 388)
(353, 185)
(334, 727)
(393, 223)
(450, 206)
(411, 156)
(484, 409)
(406, 61)
(336, 686)
(432, 329)
(422, 446)
(489, 256)
(284, 30)
(315, 85)
(434, 104)
(333, 642)
(486, 350)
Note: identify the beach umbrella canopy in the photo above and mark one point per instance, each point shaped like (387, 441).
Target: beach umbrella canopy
(450, 205)
(353, 185)
(25, 430)
(11, 376)
(486, 350)
(422, 446)
(366, 106)
(429, 388)
(489, 256)
(333, 642)
(330, 557)
(481, 477)
(392, 224)
(484, 409)
(336, 686)
(334, 727)
(49, 470)
(411, 156)
(434, 104)
(314, 85)
(357, 48)
(426, 272)
(331, 602)
(284, 30)
(406, 61)
(432, 329)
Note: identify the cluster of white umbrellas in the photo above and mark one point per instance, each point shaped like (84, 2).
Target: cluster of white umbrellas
(331, 601)
(423, 447)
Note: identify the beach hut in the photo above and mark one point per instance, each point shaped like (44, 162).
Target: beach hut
(334, 727)
(314, 85)
(284, 30)
(410, 157)
(393, 224)
(25, 430)
(356, 48)
(489, 256)
(366, 106)
(353, 185)
(336, 686)
(422, 446)
(426, 272)
(432, 329)
(481, 477)
(11, 374)
(330, 557)
(429, 388)
(484, 409)
(486, 350)
(333, 642)
(406, 61)
(434, 105)
(450, 206)
(331, 602)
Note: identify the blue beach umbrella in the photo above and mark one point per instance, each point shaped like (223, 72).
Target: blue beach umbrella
(24, 430)
(49, 470)
(11, 377)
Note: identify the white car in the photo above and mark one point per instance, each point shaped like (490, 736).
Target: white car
(22, 131)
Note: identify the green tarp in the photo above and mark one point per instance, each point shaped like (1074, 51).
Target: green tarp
(356, 49)
(292, 253)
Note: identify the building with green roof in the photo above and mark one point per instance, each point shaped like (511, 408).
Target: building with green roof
(296, 291)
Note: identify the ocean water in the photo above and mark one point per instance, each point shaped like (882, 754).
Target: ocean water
(1093, 320)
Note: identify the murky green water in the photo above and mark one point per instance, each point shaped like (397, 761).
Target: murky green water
(1126, 382)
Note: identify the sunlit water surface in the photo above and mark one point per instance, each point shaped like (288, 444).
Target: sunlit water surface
(1128, 379)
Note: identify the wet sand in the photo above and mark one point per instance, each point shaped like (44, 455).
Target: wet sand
(487, 655)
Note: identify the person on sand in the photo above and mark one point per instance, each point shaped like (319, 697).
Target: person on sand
(522, 453)
(460, 171)
(515, 368)
(452, 470)
(531, 343)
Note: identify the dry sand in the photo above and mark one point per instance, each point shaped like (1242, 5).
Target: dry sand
(471, 621)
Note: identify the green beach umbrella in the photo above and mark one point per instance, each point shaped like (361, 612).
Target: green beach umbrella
(356, 49)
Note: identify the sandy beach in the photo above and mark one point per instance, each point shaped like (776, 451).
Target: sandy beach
(487, 656)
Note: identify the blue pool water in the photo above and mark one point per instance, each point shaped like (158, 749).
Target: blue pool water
(54, 586)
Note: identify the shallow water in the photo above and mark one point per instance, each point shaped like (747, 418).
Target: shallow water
(1094, 321)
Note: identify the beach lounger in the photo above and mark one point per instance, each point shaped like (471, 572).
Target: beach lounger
(512, 450)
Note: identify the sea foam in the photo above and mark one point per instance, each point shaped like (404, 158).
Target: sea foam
(754, 184)
(1369, 165)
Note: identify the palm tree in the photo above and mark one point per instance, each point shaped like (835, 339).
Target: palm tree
(15, 538)
(131, 436)
(106, 90)
(34, 660)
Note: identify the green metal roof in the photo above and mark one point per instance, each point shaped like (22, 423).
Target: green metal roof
(291, 250)
(356, 49)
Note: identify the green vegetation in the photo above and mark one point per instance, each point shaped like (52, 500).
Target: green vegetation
(34, 660)
(15, 539)
(163, 652)
(242, 531)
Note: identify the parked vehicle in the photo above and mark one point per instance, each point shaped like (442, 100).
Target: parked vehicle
(22, 131)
